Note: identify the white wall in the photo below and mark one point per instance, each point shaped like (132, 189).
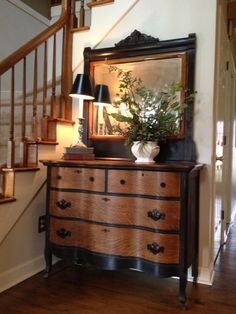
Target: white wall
(21, 250)
(169, 19)
(18, 24)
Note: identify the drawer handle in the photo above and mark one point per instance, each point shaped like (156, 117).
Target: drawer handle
(155, 214)
(155, 248)
(106, 199)
(91, 179)
(59, 177)
(78, 171)
(63, 204)
(63, 233)
(105, 230)
(122, 181)
(163, 185)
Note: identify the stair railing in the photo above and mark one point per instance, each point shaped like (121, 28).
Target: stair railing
(19, 59)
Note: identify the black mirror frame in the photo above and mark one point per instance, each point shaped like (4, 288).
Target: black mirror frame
(136, 45)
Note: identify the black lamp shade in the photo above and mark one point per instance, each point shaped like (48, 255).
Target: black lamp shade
(102, 96)
(82, 87)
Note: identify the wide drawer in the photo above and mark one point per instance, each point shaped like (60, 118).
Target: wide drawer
(159, 214)
(78, 178)
(155, 247)
(144, 182)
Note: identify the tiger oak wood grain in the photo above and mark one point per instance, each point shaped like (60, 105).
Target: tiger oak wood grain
(92, 291)
(144, 182)
(116, 241)
(78, 178)
(116, 209)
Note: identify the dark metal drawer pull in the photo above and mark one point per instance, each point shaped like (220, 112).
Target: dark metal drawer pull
(155, 248)
(163, 185)
(78, 171)
(59, 177)
(63, 204)
(63, 233)
(105, 199)
(91, 179)
(155, 214)
(122, 181)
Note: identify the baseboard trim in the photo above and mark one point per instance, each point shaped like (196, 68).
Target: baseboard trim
(206, 275)
(21, 272)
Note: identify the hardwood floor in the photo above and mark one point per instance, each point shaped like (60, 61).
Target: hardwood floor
(72, 289)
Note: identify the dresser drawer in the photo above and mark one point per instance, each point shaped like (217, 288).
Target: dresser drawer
(144, 182)
(158, 214)
(78, 178)
(155, 247)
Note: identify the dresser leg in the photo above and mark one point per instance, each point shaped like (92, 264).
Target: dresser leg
(182, 292)
(48, 260)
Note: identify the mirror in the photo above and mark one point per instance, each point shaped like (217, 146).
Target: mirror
(156, 72)
(157, 63)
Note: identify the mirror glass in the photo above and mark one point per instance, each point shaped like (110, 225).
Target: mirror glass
(156, 71)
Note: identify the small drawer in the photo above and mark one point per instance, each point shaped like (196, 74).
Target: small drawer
(144, 182)
(78, 178)
(133, 211)
(127, 242)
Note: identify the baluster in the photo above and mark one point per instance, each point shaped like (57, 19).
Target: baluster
(23, 100)
(53, 97)
(45, 117)
(81, 14)
(73, 17)
(63, 77)
(68, 58)
(11, 142)
(22, 152)
(35, 114)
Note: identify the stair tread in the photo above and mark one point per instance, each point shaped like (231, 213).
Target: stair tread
(80, 29)
(98, 3)
(6, 199)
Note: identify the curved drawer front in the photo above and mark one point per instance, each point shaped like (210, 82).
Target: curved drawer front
(78, 178)
(158, 214)
(144, 182)
(160, 248)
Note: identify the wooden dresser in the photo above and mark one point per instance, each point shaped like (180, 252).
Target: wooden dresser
(118, 214)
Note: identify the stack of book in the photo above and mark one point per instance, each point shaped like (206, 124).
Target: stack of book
(78, 153)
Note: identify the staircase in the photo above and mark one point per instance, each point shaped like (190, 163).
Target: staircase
(34, 85)
(40, 115)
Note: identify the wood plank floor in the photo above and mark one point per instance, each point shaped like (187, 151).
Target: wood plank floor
(72, 289)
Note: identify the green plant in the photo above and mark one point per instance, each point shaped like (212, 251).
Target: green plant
(154, 116)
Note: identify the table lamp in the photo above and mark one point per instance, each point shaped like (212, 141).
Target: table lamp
(81, 89)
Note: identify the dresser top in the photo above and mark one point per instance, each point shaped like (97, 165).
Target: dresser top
(122, 164)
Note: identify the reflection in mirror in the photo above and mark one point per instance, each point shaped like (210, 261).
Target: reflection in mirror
(155, 72)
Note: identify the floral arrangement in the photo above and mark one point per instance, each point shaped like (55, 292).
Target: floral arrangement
(153, 116)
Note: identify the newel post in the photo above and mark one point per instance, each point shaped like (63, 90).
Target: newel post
(66, 78)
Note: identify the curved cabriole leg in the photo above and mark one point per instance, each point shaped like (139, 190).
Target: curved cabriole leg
(182, 292)
(48, 260)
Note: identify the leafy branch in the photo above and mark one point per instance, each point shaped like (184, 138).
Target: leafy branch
(154, 116)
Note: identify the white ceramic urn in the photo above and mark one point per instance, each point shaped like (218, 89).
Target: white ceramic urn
(145, 152)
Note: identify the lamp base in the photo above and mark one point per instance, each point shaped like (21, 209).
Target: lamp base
(80, 142)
